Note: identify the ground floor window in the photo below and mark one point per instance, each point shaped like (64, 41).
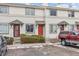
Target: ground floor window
(77, 27)
(53, 28)
(29, 28)
(4, 28)
(71, 27)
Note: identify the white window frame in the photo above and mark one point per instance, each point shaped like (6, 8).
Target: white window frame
(30, 28)
(54, 11)
(30, 11)
(4, 9)
(52, 29)
(4, 30)
(71, 14)
(71, 27)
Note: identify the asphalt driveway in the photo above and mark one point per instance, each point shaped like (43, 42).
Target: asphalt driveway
(48, 50)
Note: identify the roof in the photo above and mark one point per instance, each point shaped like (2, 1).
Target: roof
(63, 23)
(22, 5)
(16, 22)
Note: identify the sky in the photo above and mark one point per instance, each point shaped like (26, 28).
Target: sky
(58, 3)
(64, 5)
(74, 5)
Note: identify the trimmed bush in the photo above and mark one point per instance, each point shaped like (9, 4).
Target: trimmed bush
(9, 40)
(32, 39)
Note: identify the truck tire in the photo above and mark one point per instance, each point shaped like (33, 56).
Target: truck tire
(63, 42)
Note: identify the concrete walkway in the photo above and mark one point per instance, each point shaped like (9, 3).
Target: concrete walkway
(34, 45)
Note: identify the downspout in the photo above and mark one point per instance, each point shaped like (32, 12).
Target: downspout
(44, 17)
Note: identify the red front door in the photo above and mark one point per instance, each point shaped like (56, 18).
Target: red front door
(40, 29)
(16, 30)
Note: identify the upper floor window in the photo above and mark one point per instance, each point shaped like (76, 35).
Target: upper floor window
(3, 9)
(71, 14)
(29, 11)
(53, 12)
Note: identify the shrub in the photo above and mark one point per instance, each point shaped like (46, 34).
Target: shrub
(32, 39)
(22, 35)
(9, 40)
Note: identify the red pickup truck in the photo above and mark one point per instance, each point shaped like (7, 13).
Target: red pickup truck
(69, 37)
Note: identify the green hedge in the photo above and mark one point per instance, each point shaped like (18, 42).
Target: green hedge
(9, 40)
(32, 39)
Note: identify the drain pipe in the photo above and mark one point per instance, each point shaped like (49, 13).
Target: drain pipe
(44, 17)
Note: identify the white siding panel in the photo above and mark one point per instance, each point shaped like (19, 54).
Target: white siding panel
(77, 14)
(16, 11)
(39, 12)
(61, 13)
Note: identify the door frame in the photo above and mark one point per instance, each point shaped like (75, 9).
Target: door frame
(14, 30)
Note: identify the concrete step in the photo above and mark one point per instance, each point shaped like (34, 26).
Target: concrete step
(17, 40)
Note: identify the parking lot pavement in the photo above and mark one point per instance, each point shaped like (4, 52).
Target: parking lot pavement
(71, 48)
(46, 50)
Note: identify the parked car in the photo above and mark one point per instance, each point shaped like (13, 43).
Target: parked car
(3, 46)
(69, 37)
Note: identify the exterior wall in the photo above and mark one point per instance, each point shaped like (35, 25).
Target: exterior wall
(47, 12)
(61, 16)
(19, 14)
(39, 12)
(56, 20)
(25, 19)
(61, 13)
(16, 11)
(77, 14)
(21, 11)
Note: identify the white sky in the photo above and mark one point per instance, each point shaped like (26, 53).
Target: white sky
(44, 1)
(39, 1)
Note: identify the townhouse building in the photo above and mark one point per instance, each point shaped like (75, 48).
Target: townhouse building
(16, 19)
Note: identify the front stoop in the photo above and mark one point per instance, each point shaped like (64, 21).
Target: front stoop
(54, 40)
(33, 45)
(17, 40)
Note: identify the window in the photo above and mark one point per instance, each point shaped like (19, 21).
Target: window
(77, 27)
(71, 14)
(3, 9)
(29, 28)
(53, 28)
(4, 28)
(71, 27)
(53, 12)
(29, 11)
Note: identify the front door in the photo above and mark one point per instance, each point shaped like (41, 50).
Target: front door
(40, 29)
(61, 27)
(16, 30)
(78, 28)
